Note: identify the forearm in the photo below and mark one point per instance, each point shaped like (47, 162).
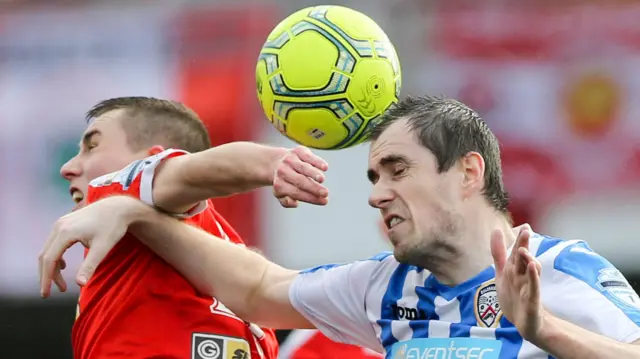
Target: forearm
(228, 169)
(254, 288)
(564, 340)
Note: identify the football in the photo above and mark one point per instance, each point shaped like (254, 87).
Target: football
(325, 75)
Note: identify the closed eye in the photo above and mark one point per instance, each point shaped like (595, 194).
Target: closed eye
(399, 171)
(90, 140)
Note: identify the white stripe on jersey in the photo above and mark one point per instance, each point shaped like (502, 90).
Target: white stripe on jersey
(386, 268)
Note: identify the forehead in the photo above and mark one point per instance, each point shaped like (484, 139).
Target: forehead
(106, 123)
(397, 140)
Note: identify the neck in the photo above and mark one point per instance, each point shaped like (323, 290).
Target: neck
(472, 252)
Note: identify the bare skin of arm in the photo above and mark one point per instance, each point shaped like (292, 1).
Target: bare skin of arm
(254, 288)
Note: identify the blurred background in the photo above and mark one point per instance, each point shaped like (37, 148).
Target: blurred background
(556, 81)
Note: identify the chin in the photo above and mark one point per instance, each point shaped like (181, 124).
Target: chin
(401, 253)
(409, 250)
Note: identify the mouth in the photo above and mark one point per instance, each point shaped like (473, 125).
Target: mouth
(392, 220)
(76, 195)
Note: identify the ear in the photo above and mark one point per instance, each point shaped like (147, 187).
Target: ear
(473, 169)
(154, 150)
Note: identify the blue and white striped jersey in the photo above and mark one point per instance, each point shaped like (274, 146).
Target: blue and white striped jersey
(404, 311)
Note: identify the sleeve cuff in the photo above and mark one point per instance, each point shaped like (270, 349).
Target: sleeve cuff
(146, 182)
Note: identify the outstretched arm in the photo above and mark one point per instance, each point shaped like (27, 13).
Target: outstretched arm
(179, 183)
(254, 288)
(332, 297)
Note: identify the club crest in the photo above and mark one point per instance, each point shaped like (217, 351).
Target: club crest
(487, 308)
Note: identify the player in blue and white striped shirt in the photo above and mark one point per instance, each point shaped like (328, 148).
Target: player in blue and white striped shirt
(460, 282)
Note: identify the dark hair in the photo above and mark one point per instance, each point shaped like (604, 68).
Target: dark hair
(150, 121)
(450, 130)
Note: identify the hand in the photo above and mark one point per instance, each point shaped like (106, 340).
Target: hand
(98, 226)
(518, 282)
(298, 177)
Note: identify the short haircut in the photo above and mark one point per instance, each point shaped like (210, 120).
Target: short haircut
(450, 130)
(149, 121)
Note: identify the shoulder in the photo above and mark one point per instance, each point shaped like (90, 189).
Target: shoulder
(358, 276)
(379, 260)
(126, 176)
(585, 288)
(570, 256)
(574, 259)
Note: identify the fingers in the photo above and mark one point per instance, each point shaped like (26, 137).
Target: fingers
(292, 183)
(304, 162)
(298, 178)
(50, 266)
(299, 187)
(45, 248)
(307, 156)
(290, 194)
(288, 202)
(523, 238)
(516, 230)
(533, 274)
(524, 260)
(58, 279)
(522, 241)
(303, 169)
(498, 251)
(95, 255)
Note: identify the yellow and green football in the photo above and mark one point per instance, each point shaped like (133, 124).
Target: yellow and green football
(325, 75)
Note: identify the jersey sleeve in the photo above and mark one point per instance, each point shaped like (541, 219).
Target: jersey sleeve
(137, 180)
(332, 298)
(582, 287)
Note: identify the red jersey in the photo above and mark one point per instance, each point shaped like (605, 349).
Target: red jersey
(137, 306)
(312, 344)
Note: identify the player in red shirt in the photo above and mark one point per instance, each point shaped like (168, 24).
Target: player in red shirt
(136, 305)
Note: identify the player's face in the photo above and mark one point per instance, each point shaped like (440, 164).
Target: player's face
(103, 149)
(419, 206)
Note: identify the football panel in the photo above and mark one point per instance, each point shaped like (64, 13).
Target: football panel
(346, 23)
(326, 129)
(263, 88)
(312, 63)
(364, 134)
(387, 51)
(357, 124)
(315, 127)
(372, 87)
(307, 61)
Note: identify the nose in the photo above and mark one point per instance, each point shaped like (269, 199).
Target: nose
(380, 196)
(71, 169)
